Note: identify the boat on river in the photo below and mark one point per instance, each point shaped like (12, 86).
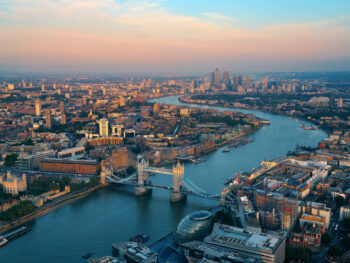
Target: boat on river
(3, 241)
(226, 150)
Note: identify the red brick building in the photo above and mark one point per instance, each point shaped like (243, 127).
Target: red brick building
(53, 165)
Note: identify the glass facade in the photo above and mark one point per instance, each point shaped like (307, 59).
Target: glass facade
(195, 226)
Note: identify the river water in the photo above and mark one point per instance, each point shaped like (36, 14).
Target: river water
(113, 214)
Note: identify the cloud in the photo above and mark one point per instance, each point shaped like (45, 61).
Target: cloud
(106, 33)
(219, 17)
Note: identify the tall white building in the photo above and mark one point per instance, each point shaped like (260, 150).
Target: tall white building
(103, 125)
(37, 107)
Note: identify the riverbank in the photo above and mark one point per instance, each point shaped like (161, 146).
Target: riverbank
(46, 209)
(184, 97)
(242, 136)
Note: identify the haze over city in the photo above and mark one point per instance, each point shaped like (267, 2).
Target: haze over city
(174, 36)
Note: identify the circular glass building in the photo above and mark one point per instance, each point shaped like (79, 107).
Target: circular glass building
(195, 226)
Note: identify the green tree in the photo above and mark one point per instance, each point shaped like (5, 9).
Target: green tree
(4, 196)
(54, 186)
(326, 238)
(94, 180)
(21, 209)
(65, 180)
(10, 160)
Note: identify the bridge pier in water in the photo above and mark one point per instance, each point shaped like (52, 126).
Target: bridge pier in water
(177, 191)
(178, 176)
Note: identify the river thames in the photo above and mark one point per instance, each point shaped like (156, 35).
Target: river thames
(113, 214)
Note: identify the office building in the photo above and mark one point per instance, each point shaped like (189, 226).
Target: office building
(31, 162)
(118, 130)
(53, 165)
(134, 252)
(106, 259)
(265, 82)
(197, 251)
(37, 107)
(225, 77)
(344, 212)
(317, 213)
(268, 248)
(156, 108)
(10, 86)
(193, 227)
(129, 133)
(62, 106)
(75, 152)
(217, 77)
(48, 118)
(340, 103)
(211, 77)
(63, 119)
(103, 127)
(288, 208)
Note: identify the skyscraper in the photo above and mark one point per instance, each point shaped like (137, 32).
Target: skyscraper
(217, 77)
(37, 107)
(63, 119)
(156, 108)
(247, 83)
(211, 77)
(340, 103)
(225, 77)
(265, 82)
(62, 106)
(103, 125)
(48, 118)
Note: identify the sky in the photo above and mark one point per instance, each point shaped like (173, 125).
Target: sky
(174, 35)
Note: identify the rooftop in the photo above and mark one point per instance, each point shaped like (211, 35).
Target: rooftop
(233, 236)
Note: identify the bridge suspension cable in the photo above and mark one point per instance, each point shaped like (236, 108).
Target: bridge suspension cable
(189, 184)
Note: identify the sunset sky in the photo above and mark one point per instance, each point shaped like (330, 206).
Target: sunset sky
(174, 35)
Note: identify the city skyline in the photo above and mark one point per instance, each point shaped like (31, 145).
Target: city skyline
(168, 36)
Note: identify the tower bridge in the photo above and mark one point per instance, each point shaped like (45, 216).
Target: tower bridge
(179, 190)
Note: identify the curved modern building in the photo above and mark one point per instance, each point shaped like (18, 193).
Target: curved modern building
(195, 226)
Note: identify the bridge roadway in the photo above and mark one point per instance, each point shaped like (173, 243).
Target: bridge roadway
(158, 170)
(162, 187)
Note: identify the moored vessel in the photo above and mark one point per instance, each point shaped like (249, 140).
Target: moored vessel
(3, 241)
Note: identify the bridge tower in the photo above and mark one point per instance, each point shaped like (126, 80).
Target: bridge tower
(106, 171)
(178, 177)
(142, 177)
